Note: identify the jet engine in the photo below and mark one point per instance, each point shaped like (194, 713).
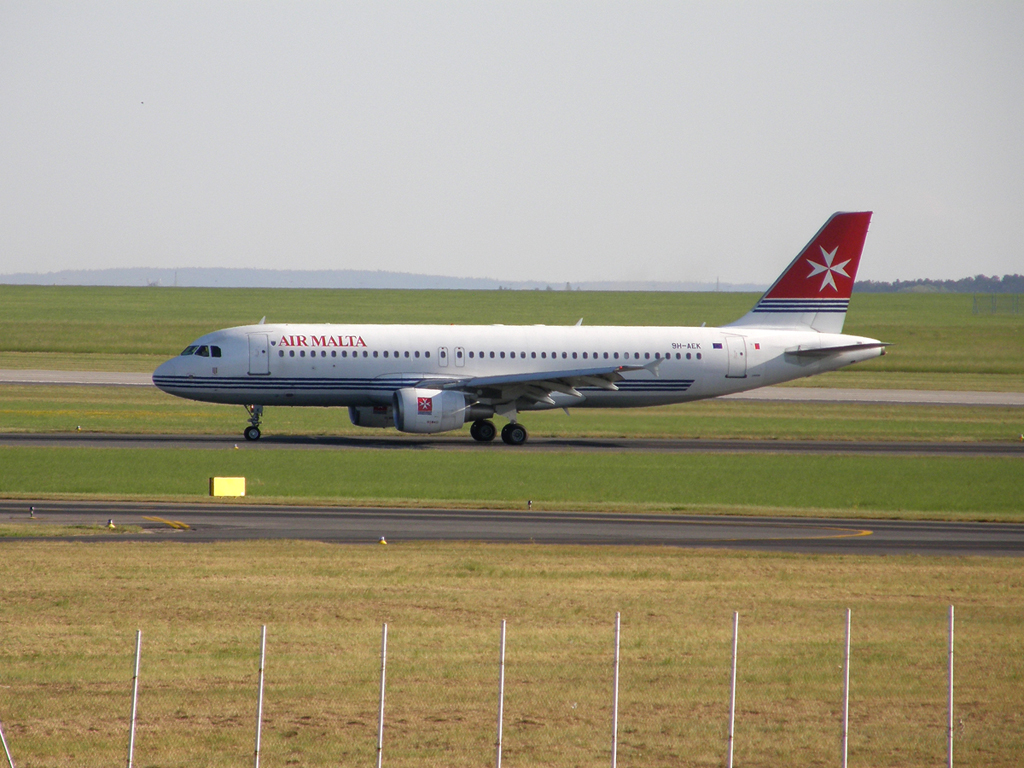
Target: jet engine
(430, 410)
(374, 417)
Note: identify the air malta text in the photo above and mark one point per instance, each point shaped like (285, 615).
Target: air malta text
(322, 341)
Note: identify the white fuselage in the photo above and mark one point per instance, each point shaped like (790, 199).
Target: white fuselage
(364, 365)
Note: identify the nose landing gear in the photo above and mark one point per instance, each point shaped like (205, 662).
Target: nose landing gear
(255, 414)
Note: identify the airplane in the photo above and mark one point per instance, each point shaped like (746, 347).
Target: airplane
(426, 379)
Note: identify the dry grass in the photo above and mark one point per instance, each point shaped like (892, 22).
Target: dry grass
(71, 610)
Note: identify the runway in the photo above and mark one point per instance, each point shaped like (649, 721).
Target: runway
(396, 441)
(207, 522)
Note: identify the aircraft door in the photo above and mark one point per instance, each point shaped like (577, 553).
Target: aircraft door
(460, 357)
(259, 354)
(442, 357)
(736, 346)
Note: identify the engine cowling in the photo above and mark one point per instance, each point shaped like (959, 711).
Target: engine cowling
(429, 410)
(372, 416)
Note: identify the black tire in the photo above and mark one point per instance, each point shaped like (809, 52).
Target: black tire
(483, 431)
(252, 433)
(513, 434)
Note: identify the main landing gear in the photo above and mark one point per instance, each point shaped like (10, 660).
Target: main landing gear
(483, 431)
(513, 434)
(255, 414)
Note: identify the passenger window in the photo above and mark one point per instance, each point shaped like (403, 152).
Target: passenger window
(385, 353)
(533, 355)
(698, 355)
(573, 355)
(502, 355)
(407, 354)
(302, 353)
(426, 354)
(291, 353)
(417, 354)
(334, 353)
(280, 353)
(189, 350)
(564, 355)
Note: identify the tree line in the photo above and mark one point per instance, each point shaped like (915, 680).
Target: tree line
(976, 284)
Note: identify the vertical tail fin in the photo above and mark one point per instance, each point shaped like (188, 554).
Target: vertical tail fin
(814, 290)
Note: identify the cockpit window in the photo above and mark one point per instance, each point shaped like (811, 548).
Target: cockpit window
(189, 350)
(214, 351)
(203, 351)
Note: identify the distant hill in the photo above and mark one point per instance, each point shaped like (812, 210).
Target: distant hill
(334, 278)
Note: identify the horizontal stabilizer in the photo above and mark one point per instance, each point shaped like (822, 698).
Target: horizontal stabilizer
(826, 351)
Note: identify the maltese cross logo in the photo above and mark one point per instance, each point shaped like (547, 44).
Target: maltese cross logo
(828, 268)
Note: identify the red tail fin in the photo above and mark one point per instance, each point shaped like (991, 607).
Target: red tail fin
(814, 291)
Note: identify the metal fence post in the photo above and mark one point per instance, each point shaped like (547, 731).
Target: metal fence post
(380, 714)
(950, 763)
(501, 696)
(259, 700)
(732, 688)
(615, 695)
(7, 751)
(846, 691)
(135, 698)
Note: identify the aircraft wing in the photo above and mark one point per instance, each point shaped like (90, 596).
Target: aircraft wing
(540, 386)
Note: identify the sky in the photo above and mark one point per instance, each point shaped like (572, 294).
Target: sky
(557, 141)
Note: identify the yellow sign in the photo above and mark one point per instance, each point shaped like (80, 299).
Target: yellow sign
(227, 486)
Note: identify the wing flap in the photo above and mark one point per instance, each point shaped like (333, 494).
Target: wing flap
(540, 385)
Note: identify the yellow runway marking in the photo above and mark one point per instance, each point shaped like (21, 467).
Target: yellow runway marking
(173, 523)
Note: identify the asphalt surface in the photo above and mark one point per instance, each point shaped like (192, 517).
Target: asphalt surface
(223, 522)
(396, 441)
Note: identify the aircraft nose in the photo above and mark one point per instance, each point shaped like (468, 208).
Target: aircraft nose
(163, 372)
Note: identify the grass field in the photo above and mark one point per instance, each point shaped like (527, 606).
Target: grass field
(71, 611)
(937, 340)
